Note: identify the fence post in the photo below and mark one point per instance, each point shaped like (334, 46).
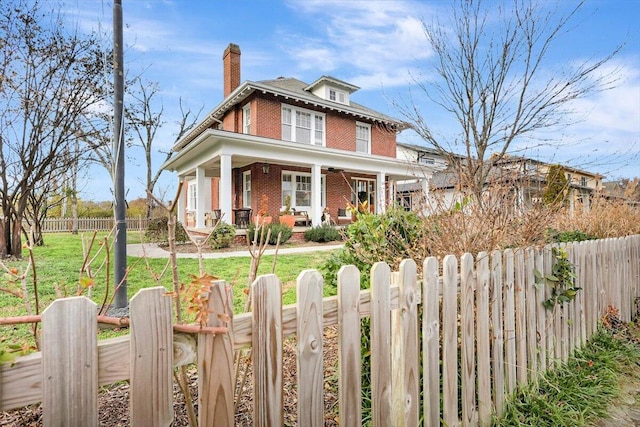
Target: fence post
(215, 361)
(405, 341)
(151, 358)
(349, 341)
(70, 363)
(530, 296)
(497, 315)
(309, 330)
(431, 343)
(467, 314)
(483, 338)
(267, 351)
(509, 321)
(450, 340)
(380, 345)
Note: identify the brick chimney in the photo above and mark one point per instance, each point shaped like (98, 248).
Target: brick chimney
(231, 65)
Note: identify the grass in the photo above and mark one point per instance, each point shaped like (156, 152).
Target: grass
(579, 392)
(58, 263)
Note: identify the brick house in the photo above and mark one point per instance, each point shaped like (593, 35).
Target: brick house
(271, 139)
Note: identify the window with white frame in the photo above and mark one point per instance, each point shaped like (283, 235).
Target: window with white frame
(246, 118)
(246, 189)
(337, 96)
(363, 138)
(298, 186)
(304, 126)
(193, 196)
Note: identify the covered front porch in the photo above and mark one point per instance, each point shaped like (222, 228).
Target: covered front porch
(233, 177)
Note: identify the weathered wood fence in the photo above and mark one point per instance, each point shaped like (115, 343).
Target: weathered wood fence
(61, 225)
(482, 332)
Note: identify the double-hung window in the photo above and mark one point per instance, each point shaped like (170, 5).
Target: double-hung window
(363, 138)
(303, 126)
(298, 186)
(246, 119)
(246, 189)
(193, 196)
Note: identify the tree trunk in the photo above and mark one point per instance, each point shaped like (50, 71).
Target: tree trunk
(3, 238)
(16, 241)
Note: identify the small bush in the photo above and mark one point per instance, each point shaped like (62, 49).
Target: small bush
(222, 236)
(275, 229)
(157, 231)
(569, 236)
(323, 233)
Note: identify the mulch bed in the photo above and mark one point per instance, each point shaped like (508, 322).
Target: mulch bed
(113, 401)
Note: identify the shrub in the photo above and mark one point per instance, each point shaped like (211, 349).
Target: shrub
(323, 233)
(222, 235)
(157, 231)
(569, 236)
(390, 237)
(275, 229)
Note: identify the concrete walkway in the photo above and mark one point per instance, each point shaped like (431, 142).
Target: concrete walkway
(152, 250)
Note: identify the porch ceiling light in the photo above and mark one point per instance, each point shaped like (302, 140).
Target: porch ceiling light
(265, 168)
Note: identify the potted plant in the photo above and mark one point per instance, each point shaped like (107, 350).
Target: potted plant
(286, 217)
(262, 218)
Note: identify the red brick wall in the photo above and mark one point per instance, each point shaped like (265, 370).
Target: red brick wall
(266, 121)
(383, 141)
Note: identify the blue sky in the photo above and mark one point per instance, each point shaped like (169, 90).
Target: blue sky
(378, 45)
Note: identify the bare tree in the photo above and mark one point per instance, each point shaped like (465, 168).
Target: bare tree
(494, 79)
(145, 119)
(48, 84)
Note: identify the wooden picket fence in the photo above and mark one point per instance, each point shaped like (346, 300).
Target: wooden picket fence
(481, 332)
(61, 225)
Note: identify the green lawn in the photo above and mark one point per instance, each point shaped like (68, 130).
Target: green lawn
(59, 261)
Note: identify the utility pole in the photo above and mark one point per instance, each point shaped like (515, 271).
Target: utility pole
(120, 256)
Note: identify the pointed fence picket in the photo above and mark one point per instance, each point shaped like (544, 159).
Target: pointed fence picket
(483, 332)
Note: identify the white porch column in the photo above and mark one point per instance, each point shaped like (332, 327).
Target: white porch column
(381, 193)
(225, 188)
(316, 200)
(200, 198)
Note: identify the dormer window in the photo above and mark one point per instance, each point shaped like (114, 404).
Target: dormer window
(337, 96)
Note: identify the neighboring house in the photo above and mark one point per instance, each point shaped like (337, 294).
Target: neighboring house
(410, 194)
(284, 137)
(529, 177)
(523, 176)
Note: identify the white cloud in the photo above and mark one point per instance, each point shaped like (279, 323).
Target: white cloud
(377, 42)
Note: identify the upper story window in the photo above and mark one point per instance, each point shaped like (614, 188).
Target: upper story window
(583, 181)
(304, 126)
(246, 119)
(337, 96)
(423, 159)
(363, 138)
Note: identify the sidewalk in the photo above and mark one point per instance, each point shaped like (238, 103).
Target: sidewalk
(152, 250)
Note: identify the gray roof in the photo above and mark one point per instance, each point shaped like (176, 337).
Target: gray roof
(289, 88)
